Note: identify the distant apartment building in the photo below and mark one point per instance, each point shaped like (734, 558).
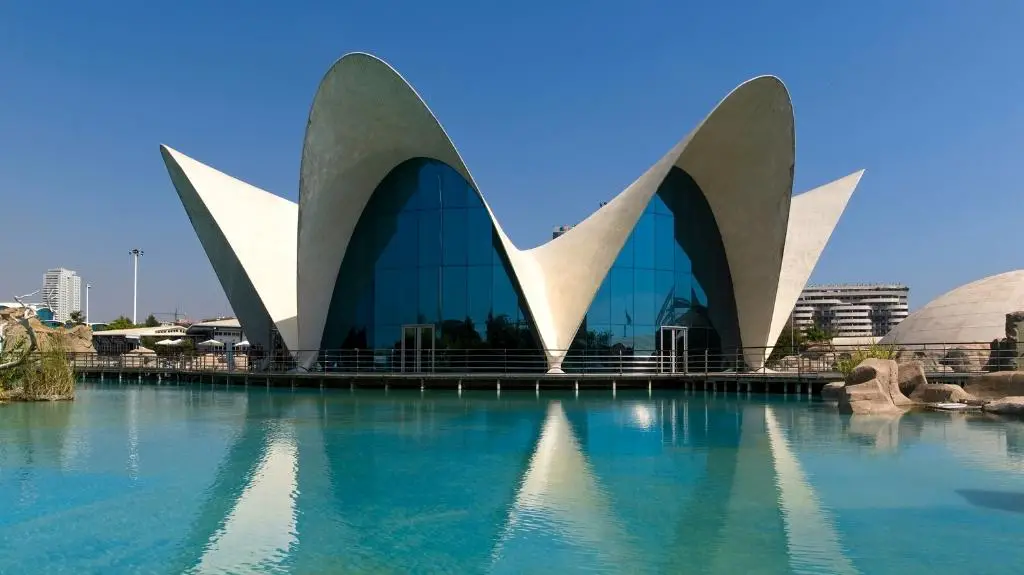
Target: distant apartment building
(62, 293)
(852, 310)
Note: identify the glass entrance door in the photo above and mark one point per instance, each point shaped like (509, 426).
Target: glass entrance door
(417, 348)
(673, 343)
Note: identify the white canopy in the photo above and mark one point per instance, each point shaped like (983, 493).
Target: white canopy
(170, 342)
(243, 343)
(210, 343)
(141, 351)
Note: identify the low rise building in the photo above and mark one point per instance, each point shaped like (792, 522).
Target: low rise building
(118, 341)
(227, 331)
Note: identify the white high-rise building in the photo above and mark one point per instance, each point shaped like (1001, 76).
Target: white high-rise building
(62, 292)
(852, 310)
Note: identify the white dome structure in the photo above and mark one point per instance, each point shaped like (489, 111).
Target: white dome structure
(972, 313)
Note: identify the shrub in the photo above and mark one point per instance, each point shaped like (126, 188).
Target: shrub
(46, 373)
(847, 362)
(51, 375)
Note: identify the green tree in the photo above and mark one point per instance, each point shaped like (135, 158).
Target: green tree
(791, 341)
(120, 322)
(77, 317)
(815, 334)
(151, 321)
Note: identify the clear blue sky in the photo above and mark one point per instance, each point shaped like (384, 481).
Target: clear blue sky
(546, 101)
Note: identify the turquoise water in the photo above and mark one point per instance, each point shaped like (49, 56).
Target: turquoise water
(147, 479)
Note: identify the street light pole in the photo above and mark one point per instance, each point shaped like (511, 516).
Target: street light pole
(88, 287)
(136, 253)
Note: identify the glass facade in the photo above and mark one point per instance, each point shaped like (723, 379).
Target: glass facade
(672, 271)
(425, 252)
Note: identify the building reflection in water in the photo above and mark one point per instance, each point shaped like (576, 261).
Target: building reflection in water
(560, 503)
(260, 530)
(811, 536)
(399, 483)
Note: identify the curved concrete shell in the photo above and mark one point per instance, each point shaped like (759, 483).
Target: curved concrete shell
(972, 313)
(812, 217)
(741, 156)
(249, 236)
(366, 120)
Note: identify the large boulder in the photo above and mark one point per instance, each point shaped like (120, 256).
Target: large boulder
(967, 358)
(940, 393)
(929, 359)
(1013, 405)
(911, 375)
(996, 385)
(873, 387)
(832, 390)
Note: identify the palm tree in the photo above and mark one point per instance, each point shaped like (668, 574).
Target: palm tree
(77, 317)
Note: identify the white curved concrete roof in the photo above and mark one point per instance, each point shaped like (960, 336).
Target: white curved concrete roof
(366, 120)
(972, 313)
(249, 237)
(753, 128)
(812, 217)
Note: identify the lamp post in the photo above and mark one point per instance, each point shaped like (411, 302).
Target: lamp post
(88, 287)
(136, 253)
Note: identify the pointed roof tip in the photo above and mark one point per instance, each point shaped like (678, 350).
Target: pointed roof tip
(357, 55)
(765, 79)
(169, 154)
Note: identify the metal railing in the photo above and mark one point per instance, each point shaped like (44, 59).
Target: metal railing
(935, 358)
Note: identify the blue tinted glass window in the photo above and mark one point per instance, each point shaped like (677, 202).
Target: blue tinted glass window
(664, 297)
(386, 336)
(600, 309)
(454, 298)
(643, 299)
(480, 293)
(425, 246)
(429, 238)
(428, 191)
(454, 240)
(396, 292)
(672, 261)
(622, 295)
(682, 260)
(506, 300)
(625, 258)
(454, 190)
(479, 238)
(429, 295)
(664, 242)
(643, 242)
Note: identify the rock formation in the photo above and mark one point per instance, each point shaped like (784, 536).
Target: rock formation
(940, 393)
(873, 387)
(1005, 354)
(996, 385)
(1013, 405)
(832, 390)
(967, 358)
(911, 375)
